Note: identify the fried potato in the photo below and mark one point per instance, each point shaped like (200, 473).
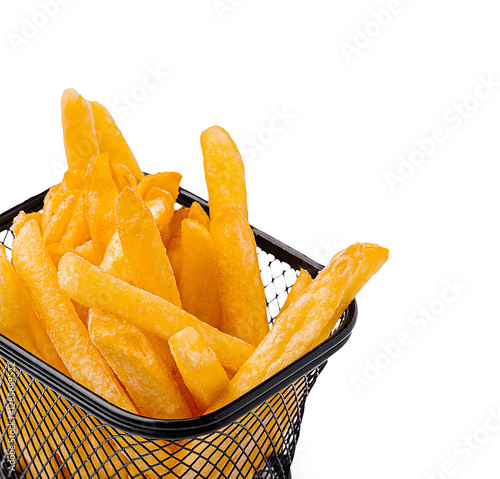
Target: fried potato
(77, 231)
(60, 219)
(132, 358)
(22, 218)
(53, 199)
(168, 181)
(88, 252)
(198, 282)
(241, 290)
(18, 320)
(296, 330)
(143, 248)
(57, 251)
(80, 140)
(201, 371)
(73, 180)
(302, 282)
(100, 193)
(123, 177)
(94, 288)
(58, 316)
(111, 140)
(197, 213)
(162, 206)
(224, 172)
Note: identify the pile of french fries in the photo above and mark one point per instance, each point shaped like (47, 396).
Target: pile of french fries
(158, 309)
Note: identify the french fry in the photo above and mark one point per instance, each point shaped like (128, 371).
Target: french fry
(59, 318)
(196, 212)
(22, 218)
(57, 251)
(175, 225)
(132, 358)
(73, 180)
(200, 369)
(143, 248)
(114, 261)
(296, 330)
(59, 222)
(301, 283)
(77, 231)
(80, 139)
(88, 252)
(53, 199)
(241, 290)
(100, 193)
(224, 172)
(168, 181)
(198, 282)
(161, 201)
(18, 320)
(94, 288)
(123, 177)
(111, 140)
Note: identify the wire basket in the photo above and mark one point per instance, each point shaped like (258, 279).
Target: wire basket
(52, 427)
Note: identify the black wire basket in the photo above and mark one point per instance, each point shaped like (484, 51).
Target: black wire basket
(52, 427)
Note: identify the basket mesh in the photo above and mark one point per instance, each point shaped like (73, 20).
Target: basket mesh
(44, 435)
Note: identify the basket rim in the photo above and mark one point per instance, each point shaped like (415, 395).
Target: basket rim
(179, 429)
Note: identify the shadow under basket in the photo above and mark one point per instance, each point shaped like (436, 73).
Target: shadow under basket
(52, 427)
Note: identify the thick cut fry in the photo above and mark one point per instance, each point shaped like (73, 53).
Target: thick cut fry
(175, 225)
(59, 318)
(111, 140)
(55, 196)
(302, 282)
(224, 171)
(301, 323)
(198, 283)
(202, 372)
(57, 251)
(123, 177)
(59, 222)
(22, 218)
(143, 248)
(100, 193)
(168, 181)
(197, 213)
(94, 288)
(162, 201)
(77, 232)
(73, 180)
(132, 358)
(18, 320)
(240, 285)
(88, 252)
(114, 261)
(80, 139)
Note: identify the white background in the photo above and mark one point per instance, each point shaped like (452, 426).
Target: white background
(319, 184)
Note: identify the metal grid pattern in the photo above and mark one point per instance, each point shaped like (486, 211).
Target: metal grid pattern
(43, 435)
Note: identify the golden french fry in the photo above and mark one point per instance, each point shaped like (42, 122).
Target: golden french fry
(224, 171)
(196, 212)
(200, 369)
(198, 282)
(57, 225)
(295, 331)
(143, 248)
(88, 252)
(80, 139)
(241, 290)
(175, 224)
(52, 200)
(111, 140)
(22, 218)
(57, 251)
(132, 358)
(161, 200)
(73, 180)
(100, 193)
(302, 282)
(94, 288)
(168, 181)
(77, 232)
(115, 264)
(18, 320)
(123, 177)
(59, 318)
